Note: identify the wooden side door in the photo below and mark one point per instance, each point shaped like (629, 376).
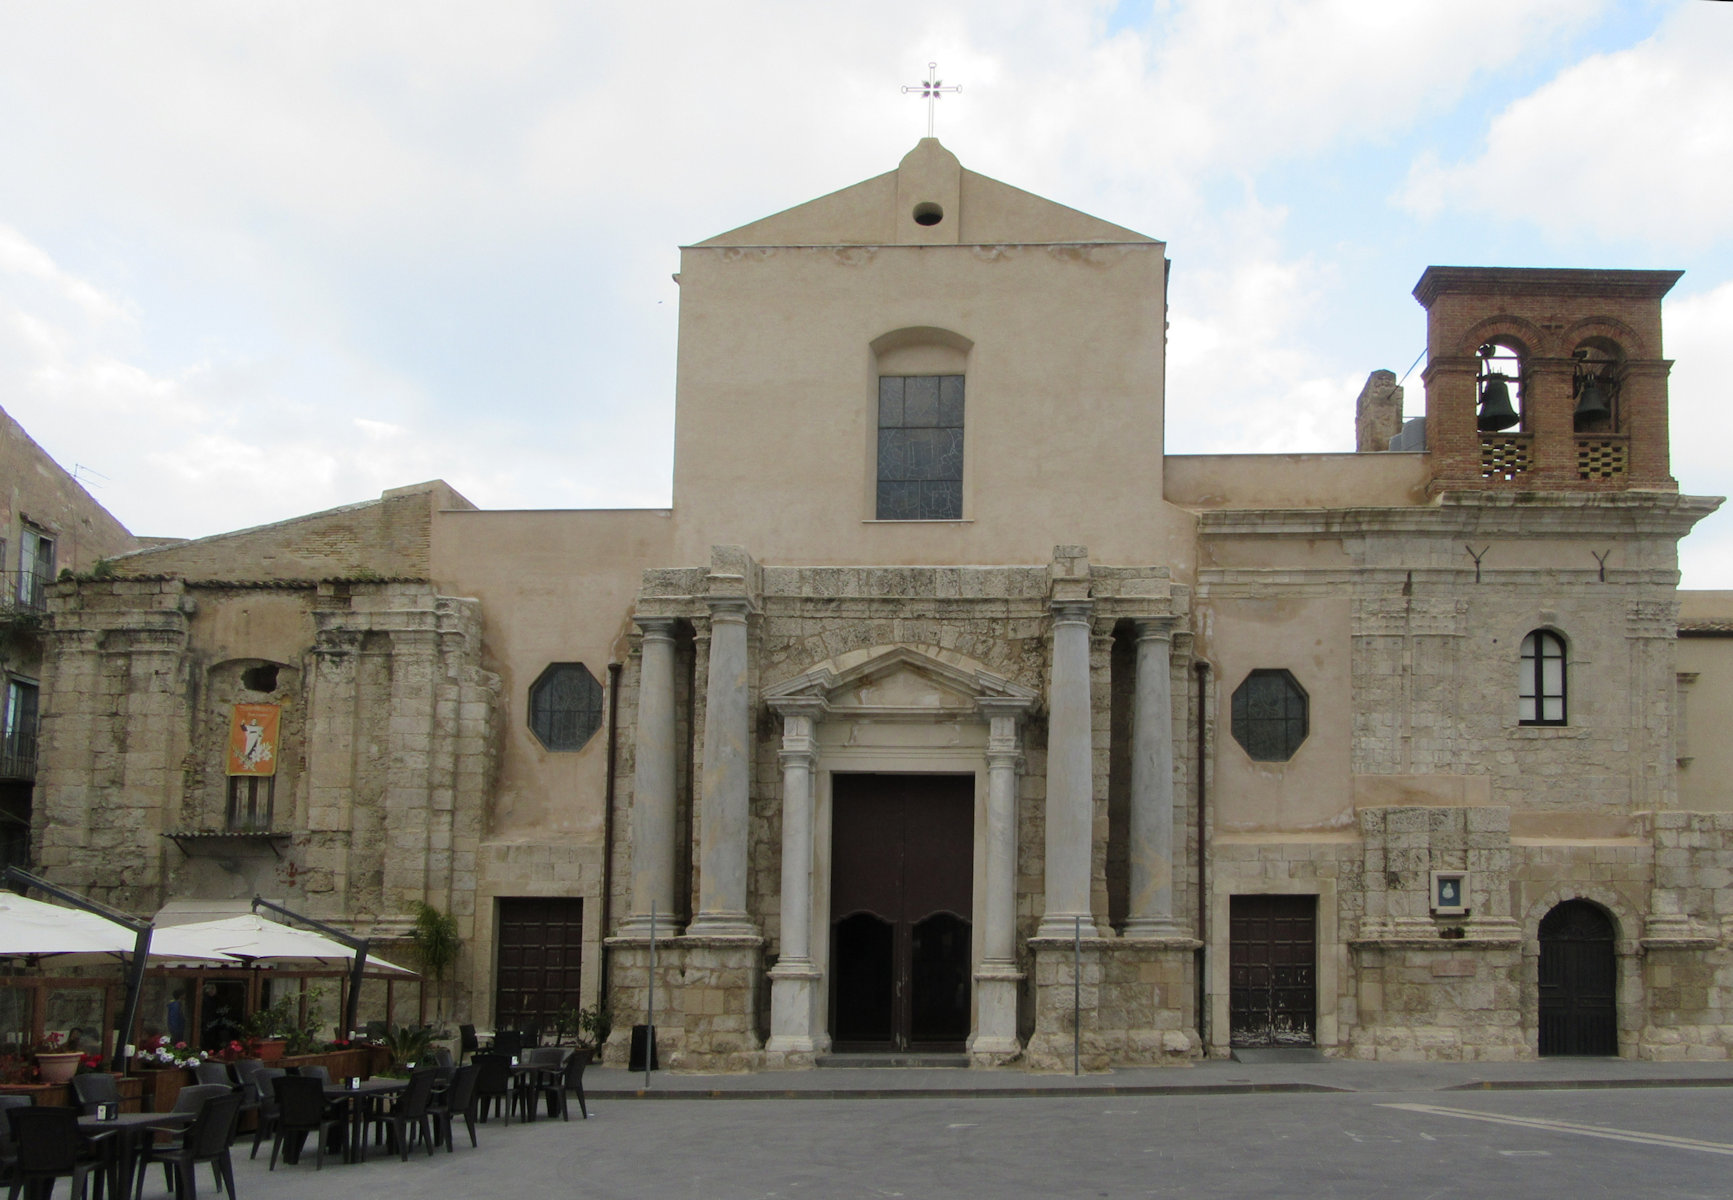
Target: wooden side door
(541, 960)
(1273, 955)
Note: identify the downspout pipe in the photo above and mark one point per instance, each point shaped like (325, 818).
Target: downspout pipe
(1202, 669)
(357, 944)
(614, 669)
(16, 878)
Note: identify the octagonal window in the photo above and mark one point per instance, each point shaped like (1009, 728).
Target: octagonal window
(565, 706)
(1269, 715)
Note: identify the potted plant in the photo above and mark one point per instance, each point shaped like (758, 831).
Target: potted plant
(54, 1062)
(407, 1045)
(588, 1028)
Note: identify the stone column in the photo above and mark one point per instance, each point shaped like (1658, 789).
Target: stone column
(997, 982)
(653, 793)
(724, 807)
(1070, 774)
(1151, 909)
(794, 981)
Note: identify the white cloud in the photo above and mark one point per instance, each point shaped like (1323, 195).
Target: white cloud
(1701, 424)
(1631, 143)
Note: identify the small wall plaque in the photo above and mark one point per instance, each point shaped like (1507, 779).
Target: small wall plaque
(1450, 893)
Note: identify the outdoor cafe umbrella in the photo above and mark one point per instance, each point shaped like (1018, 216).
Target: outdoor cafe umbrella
(32, 929)
(259, 941)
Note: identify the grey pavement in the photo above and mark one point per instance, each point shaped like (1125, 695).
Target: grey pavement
(1214, 1076)
(1554, 1130)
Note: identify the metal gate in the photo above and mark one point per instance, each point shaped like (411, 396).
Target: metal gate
(1578, 981)
(1273, 954)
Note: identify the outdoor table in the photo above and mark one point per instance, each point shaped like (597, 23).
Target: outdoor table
(526, 1082)
(370, 1089)
(128, 1131)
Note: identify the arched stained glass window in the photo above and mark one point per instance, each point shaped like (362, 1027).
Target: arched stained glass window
(565, 706)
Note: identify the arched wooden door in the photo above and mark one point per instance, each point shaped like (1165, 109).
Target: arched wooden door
(902, 879)
(1578, 981)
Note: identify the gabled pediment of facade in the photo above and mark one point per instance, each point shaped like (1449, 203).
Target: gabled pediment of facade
(892, 682)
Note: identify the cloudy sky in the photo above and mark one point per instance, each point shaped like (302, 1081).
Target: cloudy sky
(262, 258)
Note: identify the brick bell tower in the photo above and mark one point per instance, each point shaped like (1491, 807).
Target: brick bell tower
(1546, 380)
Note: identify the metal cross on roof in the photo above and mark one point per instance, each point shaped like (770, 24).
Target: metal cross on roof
(930, 91)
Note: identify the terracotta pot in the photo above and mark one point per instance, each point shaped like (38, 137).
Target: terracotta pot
(271, 1049)
(58, 1068)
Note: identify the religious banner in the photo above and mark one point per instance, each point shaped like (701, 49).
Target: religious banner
(253, 739)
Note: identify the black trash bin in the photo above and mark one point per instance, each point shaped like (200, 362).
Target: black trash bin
(640, 1039)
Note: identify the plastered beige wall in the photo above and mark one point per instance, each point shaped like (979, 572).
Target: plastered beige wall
(554, 587)
(1296, 480)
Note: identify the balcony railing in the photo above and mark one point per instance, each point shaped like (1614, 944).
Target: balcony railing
(1603, 455)
(18, 755)
(26, 589)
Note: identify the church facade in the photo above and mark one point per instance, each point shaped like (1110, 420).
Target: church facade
(945, 714)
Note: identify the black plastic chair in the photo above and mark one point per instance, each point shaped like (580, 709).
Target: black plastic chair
(508, 1042)
(95, 1089)
(266, 1095)
(301, 1110)
(459, 1098)
(207, 1140)
(47, 1146)
(573, 1081)
(467, 1042)
(544, 1078)
(317, 1071)
(410, 1113)
(493, 1085)
(8, 1154)
(214, 1072)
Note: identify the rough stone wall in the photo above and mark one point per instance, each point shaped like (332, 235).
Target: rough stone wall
(387, 749)
(1137, 1001)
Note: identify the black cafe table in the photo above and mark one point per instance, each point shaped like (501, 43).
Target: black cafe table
(124, 1134)
(358, 1100)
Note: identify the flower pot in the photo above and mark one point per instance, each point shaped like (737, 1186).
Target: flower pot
(58, 1068)
(271, 1049)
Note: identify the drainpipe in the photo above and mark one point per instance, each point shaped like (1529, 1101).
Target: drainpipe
(1202, 963)
(608, 828)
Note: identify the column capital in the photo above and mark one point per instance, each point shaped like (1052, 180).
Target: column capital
(656, 629)
(1153, 629)
(730, 609)
(812, 708)
(1072, 610)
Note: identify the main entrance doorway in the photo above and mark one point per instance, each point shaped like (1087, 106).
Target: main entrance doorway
(1273, 955)
(541, 961)
(902, 881)
(1578, 977)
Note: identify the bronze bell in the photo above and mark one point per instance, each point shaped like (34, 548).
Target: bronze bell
(1495, 410)
(1592, 402)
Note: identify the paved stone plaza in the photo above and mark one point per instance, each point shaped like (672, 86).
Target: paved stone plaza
(1225, 1129)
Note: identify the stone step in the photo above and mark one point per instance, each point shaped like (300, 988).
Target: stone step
(907, 1061)
(1279, 1054)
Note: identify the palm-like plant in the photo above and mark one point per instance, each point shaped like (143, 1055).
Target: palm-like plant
(437, 945)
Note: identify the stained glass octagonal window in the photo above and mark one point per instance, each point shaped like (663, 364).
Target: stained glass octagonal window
(565, 706)
(1270, 715)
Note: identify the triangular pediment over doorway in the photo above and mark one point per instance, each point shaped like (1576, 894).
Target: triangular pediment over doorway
(901, 682)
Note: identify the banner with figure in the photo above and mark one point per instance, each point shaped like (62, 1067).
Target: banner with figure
(253, 739)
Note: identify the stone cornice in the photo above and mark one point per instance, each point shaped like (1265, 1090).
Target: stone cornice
(1492, 513)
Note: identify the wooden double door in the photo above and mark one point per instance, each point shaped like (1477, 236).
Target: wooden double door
(1578, 981)
(902, 882)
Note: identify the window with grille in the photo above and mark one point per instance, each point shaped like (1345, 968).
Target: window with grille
(1541, 699)
(565, 706)
(1270, 715)
(920, 451)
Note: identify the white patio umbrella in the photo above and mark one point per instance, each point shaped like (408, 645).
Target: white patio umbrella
(72, 937)
(260, 941)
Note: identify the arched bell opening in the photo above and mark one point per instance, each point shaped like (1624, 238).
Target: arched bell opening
(1500, 386)
(1595, 386)
(1578, 981)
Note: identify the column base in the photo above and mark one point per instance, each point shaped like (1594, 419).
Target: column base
(1064, 925)
(722, 925)
(637, 927)
(996, 992)
(794, 990)
(1163, 929)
